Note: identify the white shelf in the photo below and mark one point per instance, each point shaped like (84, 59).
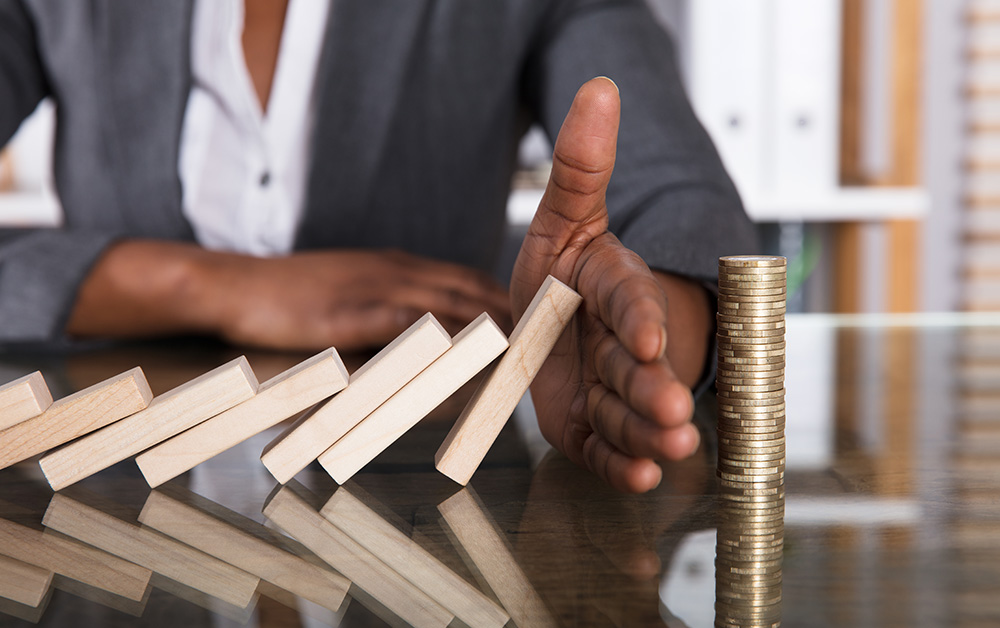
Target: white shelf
(850, 203)
(842, 204)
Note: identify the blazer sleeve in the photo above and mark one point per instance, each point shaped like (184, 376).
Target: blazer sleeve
(40, 270)
(669, 199)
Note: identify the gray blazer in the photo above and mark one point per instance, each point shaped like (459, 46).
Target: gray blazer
(421, 105)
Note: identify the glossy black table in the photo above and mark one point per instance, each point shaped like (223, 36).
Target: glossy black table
(892, 510)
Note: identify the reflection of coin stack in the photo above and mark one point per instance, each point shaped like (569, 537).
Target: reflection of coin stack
(751, 395)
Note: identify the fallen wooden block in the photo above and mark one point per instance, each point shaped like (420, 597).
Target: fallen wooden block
(472, 350)
(371, 576)
(75, 415)
(23, 398)
(410, 560)
(248, 552)
(151, 550)
(487, 554)
(22, 582)
(168, 414)
(377, 380)
(73, 560)
(278, 398)
(480, 423)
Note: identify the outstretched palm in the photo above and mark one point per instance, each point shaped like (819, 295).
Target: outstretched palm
(606, 396)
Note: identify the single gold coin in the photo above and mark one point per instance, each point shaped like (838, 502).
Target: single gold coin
(752, 261)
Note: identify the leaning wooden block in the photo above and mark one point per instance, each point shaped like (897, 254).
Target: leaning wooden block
(480, 423)
(22, 582)
(169, 414)
(250, 553)
(472, 350)
(75, 415)
(372, 577)
(73, 560)
(411, 561)
(151, 550)
(373, 383)
(278, 398)
(489, 557)
(23, 398)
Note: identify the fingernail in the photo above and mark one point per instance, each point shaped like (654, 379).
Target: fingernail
(608, 79)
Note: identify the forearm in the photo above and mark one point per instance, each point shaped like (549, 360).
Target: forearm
(689, 326)
(144, 288)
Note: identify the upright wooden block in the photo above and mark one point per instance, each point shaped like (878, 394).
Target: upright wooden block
(280, 397)
(169, 414)
(480, 423)
(411, 561)
(23, 398)
(75, 415)
(250, 553)
(151, 550)
(22, 582)
(472, 350)
(373, 383)
(73, 560)
(292, 514)
(481, 542)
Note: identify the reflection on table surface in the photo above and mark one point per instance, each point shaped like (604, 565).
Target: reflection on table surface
(892, 512)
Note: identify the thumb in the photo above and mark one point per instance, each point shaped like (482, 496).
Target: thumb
(572, 211)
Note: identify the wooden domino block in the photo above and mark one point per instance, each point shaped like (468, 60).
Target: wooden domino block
(23, 398)
(22, 582)
(410, 560)
(369, 387)
(151, 550)
(248, 552)
(280, 397)
(75, 415)
(292, 514)
(168, 414)
(70, 559)
(482, 544)
(472, 350)
(480, 423)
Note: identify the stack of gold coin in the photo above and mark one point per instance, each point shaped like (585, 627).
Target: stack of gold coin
(751, 414)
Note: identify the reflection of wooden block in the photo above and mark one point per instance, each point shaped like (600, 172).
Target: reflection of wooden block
(251, 554)
(241, 615)
(411, 561)
(169, 414)
(30, 614)
(23, 398)
(135, 608)
(293, 515)
(151, 550)
(490, 558)
(277, 399)
(472, 350)
(22, 582)
(75, 415)
(491, 406)
(373, 383)
(69, 558)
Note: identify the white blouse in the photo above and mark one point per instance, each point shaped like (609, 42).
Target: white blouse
(244, 173)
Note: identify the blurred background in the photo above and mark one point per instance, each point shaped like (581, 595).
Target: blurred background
(864, 136)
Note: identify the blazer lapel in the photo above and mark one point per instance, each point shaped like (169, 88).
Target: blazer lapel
(148, 78)
(362, 71)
